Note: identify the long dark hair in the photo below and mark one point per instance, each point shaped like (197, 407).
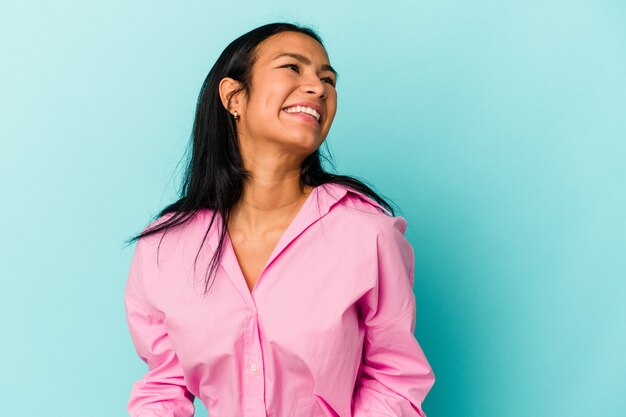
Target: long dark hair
(214, 176)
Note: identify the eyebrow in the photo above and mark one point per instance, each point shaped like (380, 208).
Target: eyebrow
(305, 61)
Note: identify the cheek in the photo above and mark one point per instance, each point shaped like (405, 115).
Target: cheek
(331, 107)
(331, 98)
(272, 104)
(261, 108)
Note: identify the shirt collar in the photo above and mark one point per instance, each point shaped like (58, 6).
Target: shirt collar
(317, 205)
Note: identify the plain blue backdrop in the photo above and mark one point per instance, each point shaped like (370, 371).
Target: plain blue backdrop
(498, 128)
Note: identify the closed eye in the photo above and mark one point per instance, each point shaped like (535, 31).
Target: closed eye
(297, 69)
(330, 81)
(292, 66)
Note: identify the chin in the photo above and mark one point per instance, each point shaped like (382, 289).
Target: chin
(307, 143)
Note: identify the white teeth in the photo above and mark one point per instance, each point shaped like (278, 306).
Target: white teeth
(302, 109)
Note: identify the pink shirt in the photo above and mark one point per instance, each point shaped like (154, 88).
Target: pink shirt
(328, 329)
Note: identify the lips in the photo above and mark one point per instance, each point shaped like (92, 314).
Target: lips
(306, 117)
(317, 107)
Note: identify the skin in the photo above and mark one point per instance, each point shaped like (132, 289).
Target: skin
(273, 143)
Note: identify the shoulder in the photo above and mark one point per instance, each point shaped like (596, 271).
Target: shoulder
(393, 250)
(363, 212)
(171, 238)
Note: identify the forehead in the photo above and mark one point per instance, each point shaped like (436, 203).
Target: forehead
(293, 42)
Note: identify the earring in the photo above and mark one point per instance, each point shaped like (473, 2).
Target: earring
(236, 115)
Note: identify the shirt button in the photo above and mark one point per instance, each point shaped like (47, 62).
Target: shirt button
(254, 367)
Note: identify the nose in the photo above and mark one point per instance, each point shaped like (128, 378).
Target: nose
(314, 85)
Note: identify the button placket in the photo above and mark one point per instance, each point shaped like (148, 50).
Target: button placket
(254, 378)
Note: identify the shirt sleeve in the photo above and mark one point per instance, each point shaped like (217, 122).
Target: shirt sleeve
(161, 392)
(395, 374)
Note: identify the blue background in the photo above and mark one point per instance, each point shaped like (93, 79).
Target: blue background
(498, 128)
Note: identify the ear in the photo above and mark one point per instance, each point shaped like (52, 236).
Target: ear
(227, 87)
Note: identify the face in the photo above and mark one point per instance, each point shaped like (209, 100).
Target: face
(281, 82)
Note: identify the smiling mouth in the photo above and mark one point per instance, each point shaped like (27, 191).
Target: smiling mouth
(305, 117)
(315, 112)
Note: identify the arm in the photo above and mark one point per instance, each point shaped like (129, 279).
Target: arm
(395, 375)
(162, 391)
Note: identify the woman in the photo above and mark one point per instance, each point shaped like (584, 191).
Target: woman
(306, 305)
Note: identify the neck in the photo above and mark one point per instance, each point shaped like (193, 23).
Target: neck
(264, 207)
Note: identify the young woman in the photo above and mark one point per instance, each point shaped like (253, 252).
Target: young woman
(271, 287)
